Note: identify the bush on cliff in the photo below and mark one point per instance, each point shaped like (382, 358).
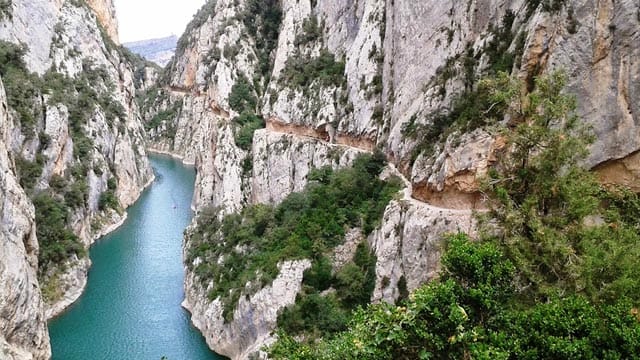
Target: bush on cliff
(57, 242)
(470, 313)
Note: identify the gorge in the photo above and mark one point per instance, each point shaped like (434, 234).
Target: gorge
(337, 146)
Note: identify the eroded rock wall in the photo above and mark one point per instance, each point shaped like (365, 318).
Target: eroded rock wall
(254, 318)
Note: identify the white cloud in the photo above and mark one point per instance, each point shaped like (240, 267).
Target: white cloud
(148, 19)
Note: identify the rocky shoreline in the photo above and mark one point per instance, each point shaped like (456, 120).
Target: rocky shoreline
(74, 279)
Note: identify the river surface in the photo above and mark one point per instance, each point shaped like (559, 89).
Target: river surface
(131, 306)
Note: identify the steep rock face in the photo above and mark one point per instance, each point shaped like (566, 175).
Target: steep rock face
(283, 161)
(78, 135)
(601, 59)
(23, 328)
(254, 318)
(407, 244)
(196, 94)
(32, 22)
(106, 12)
(118, 148)
(375, 73)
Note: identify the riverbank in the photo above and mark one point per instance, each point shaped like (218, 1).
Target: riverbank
(73, 280)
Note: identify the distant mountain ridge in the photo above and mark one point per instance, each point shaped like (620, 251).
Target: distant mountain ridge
(158, 50)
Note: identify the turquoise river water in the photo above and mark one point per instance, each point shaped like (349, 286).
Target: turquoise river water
(131, 306)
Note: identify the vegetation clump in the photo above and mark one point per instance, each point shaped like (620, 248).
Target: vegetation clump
(242, 97)
(165, 117)
(324, 69)
(240, 253)
(543, 201)
(263, 18)
(482, 107)
(6, 10)
(57, 242)
(90, 91)
(108, 198)
(317, 314)
(469, 313)
(246, 125)
(311, 31)
(550, 6)
(243, 100)
(22, 87)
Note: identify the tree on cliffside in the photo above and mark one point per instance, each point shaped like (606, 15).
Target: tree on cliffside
(554, 218)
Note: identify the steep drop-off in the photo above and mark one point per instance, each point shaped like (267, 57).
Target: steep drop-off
(327, 80)
(23, 329)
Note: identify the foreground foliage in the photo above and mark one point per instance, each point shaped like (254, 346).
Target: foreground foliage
(469, 313)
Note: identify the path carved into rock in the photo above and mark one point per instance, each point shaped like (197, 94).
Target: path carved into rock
(359, 144)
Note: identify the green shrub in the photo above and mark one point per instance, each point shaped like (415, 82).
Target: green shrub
(314, 314)
(301, 72)
(22, 87)
(263, 18)
(57, 242)
(320, 275)
(58, 183)
(246, 125)
(541, 199)
(77, 194)
(29, 172)
(355, 281)
(242, 96)
(108, 198)
(6, 10)
(551, 6)
(167, 115)
(446, 320)
(311, 31)
(500, 59)
(478, 108)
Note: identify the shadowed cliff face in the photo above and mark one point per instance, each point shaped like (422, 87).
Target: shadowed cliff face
(344, 77)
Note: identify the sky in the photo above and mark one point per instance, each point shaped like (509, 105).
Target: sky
(149, 19)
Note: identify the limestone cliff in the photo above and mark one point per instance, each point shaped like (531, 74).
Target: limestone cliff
(106, 12)
(78, 140)
(353, 76)
(23, 327)
(254, 318)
